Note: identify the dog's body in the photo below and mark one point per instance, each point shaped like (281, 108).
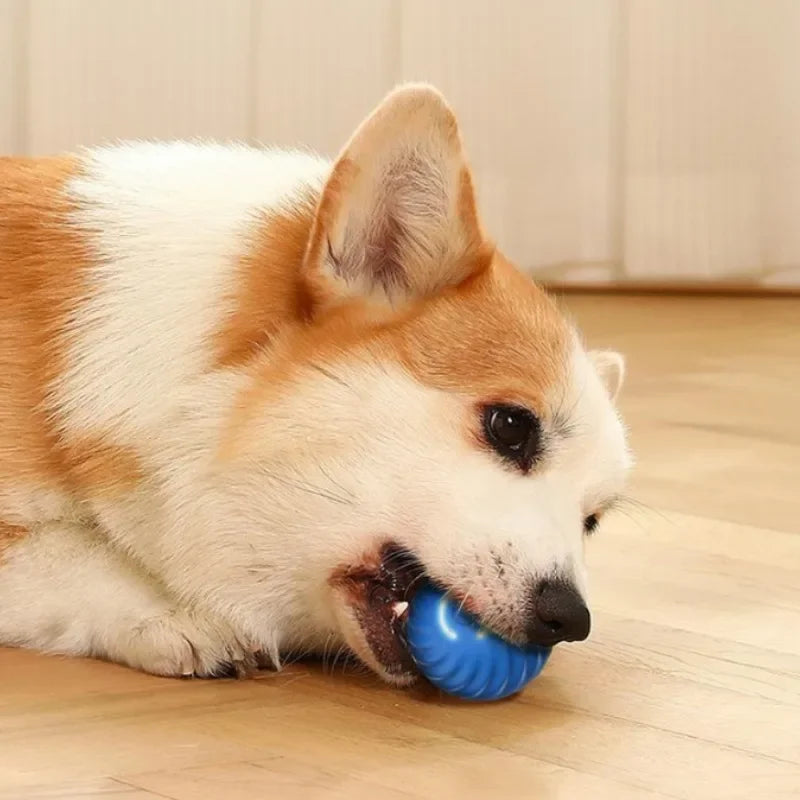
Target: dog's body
(234, 384)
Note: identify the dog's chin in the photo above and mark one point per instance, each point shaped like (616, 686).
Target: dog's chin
(392, 664)
(371, 601)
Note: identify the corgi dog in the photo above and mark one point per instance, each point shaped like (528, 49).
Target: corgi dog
(250, 398)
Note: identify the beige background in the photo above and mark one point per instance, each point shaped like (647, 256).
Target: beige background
(613, 139)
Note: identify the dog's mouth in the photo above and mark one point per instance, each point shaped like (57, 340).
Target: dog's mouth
(377, 594)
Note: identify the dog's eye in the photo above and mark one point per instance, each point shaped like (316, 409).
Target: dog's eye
(590, 523)
(513, 432)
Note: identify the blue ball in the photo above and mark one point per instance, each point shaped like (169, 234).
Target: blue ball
(456, 654)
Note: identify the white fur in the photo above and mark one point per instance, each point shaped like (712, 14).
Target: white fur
(106, 607)
(168, 222)
(408, 474)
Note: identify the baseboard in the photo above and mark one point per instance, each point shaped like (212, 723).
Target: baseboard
(700, 288)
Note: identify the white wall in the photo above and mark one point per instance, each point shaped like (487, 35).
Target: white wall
(612, 139)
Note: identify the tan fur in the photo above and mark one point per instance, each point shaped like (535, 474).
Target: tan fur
(496, 336)
(324, 216)
(467, 208)
(9, 534)
(98, 468)
(270, 288)
(41, 279)
(42, 266)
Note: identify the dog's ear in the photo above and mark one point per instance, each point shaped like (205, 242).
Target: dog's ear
(610, 366)
(397, 217)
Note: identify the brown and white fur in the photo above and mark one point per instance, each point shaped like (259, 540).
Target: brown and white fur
(229, 375)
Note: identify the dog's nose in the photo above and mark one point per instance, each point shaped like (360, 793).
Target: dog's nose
(559, 614)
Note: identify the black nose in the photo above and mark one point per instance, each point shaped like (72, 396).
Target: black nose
(558, 614)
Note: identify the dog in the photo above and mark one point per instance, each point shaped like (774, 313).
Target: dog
(250, 398)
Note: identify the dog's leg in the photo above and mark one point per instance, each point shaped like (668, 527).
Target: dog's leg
(63, 589)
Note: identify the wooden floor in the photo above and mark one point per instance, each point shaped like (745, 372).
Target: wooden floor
(689, 687)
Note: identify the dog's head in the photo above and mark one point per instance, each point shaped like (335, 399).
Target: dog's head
(433, 414)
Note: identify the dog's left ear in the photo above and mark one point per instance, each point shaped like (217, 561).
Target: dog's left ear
(397, 218)
(610, 366)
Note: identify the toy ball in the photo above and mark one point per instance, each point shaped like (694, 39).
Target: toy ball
(460, 657)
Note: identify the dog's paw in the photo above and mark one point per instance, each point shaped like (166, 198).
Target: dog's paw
(180, 644)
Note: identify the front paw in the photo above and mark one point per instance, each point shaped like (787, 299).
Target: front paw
(182, 644)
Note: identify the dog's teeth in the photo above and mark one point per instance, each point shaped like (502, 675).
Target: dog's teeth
(400, 608)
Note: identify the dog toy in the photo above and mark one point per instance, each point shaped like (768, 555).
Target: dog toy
(459, 656)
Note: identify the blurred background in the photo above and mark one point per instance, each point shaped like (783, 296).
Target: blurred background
(615, 142)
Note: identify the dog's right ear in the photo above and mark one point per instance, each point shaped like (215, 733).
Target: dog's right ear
(397, 219)
(610, 366)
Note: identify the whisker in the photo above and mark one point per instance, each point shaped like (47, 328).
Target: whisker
(293, 656)
(633, 518)
(401, 560)
(325, 650)
(342, 648)
(347, 660)
(465, 597)
(625, 501)
(336, 483)
(415, 581)
(307, 488)
(332, 376)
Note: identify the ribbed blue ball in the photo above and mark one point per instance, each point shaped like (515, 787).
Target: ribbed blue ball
(462, 658)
